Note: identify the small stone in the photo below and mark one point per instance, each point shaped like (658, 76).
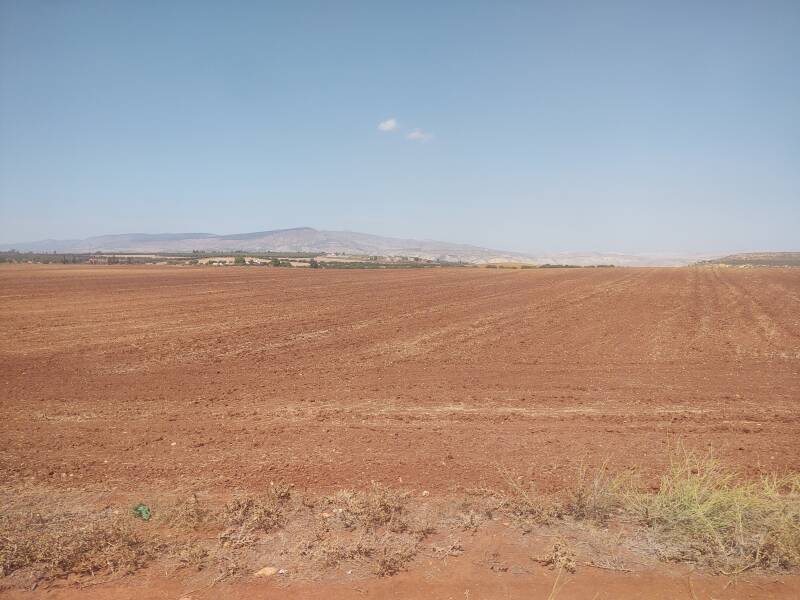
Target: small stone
(425, 494)
(266, 572)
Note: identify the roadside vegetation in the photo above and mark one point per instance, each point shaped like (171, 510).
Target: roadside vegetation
(704, 514)
(700, 513)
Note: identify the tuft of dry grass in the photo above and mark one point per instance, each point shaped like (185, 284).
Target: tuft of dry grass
(704, 513)
(394, 556)
(522, 502)
(332, 552)
(469, 512)
(378, 506)
(375, 527)
(245, 517)
(190, 555)
(190, 514)
(596, 497)
(384, 554)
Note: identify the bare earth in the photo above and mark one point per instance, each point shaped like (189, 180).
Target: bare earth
(123, 382)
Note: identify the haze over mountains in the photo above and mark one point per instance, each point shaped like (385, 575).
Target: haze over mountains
(307, 239)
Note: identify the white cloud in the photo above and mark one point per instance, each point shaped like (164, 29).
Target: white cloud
(418, 135)
(388, 125)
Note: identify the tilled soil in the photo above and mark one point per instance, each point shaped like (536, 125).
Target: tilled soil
(120, 380)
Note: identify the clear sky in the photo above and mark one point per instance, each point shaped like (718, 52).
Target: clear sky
(531, 126)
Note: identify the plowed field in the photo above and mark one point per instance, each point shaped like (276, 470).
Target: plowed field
(123, 381)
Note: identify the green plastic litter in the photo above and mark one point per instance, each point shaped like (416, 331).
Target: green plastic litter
(142, 511)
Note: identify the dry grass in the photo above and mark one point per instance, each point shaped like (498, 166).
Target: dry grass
(701, 513)
(191, 555)
(332, 552)
(59, 546)
(382, 554)
(705, 514)
(191, 514)
(246, 517)
(378, 528)
(394, 557)
(521, 501)
(470, 512)
(596, 497)
(378, 506)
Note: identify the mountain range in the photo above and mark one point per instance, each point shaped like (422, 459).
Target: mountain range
(307, 239)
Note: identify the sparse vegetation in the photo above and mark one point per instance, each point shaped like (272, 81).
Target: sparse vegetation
(379, 506)
(705, 514)
(60, 546)
(701, 513)
(597, 496)
(373, 526)
(520, 500)
(190, 555)
(246, 516)
(191, 514)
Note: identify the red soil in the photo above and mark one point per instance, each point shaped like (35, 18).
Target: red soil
(118, 379)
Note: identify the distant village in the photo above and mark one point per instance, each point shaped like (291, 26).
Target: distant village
(265, 259)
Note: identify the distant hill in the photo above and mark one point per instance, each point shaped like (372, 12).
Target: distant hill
(302, 239)
(757, 259)
(307, 239)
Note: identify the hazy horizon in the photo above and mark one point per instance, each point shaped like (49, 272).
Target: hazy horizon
(500, 248)
(538, 127)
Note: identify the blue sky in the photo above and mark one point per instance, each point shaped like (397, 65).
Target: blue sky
(557, 126)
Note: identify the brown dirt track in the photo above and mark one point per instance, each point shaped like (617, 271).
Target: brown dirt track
(426, 379)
